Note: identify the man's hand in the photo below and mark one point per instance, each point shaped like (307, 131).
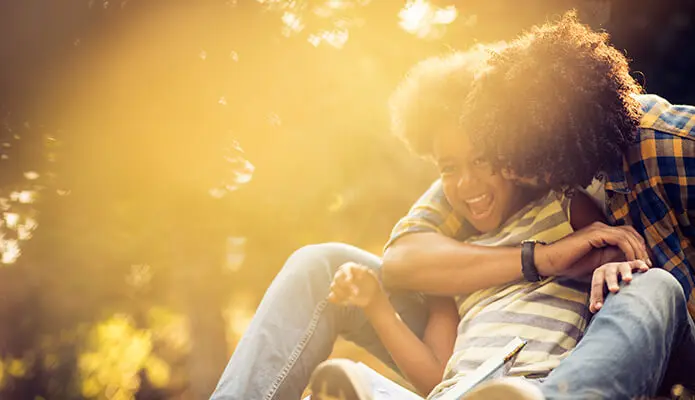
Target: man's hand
(355, 285)
(567, 257)
(608, 275)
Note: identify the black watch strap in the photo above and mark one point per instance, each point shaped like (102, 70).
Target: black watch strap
(528, 261)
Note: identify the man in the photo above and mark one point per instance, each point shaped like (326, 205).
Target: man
(294, 328)
(559, 103)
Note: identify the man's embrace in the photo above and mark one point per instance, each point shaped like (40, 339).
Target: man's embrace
(554, 109)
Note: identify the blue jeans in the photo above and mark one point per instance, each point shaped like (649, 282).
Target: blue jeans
(642, 340)
(625, 352)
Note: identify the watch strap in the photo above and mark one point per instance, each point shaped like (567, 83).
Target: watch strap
(528, 261)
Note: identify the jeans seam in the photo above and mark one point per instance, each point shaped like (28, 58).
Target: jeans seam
(297, 350)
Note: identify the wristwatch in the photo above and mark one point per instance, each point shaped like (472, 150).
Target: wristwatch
(528, 261)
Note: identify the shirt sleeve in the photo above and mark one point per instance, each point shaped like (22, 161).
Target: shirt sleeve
(431, 213)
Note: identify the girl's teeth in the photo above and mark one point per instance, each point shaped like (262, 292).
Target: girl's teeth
(477, 199)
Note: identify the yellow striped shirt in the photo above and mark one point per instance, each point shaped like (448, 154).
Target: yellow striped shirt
(550, 315)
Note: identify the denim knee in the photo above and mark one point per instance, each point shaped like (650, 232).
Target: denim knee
(318, 263)
(659, 283)
(657, 297)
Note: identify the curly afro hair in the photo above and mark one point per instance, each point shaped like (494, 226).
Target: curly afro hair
(556, 104)
(431, 96)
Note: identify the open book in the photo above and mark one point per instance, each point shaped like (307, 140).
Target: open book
(496, 366)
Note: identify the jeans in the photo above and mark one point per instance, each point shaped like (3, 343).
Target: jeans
(642, 336)
(630, 344)
(294, 327)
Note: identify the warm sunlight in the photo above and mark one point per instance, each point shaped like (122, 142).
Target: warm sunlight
(185, 179)
(425, 20)
(24, 196)
(292, 23)
(10, 251)
(11, 220)
(335, 38)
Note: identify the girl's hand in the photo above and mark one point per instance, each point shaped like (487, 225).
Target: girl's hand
(355, 285)
(608, 275)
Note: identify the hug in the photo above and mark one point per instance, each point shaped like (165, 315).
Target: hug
(562, 216)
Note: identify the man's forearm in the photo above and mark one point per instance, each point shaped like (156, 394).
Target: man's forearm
(438, 265)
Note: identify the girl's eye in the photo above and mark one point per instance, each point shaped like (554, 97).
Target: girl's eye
(447, 169)
(479, 162)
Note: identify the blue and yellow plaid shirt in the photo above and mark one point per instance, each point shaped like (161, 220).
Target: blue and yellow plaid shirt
(654, 192)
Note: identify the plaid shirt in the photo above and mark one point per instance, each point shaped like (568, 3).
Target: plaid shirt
(655, 193)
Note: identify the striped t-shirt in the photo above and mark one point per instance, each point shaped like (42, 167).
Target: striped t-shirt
(550, 315)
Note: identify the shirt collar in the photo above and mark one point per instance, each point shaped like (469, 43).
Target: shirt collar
(616, 180)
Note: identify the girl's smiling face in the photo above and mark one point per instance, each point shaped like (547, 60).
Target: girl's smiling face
(484, 198)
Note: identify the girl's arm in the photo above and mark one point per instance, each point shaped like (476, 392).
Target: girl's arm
(421, 361)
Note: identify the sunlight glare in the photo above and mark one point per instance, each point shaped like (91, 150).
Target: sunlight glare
(24, 197)
(10, 251)
(423, 19)
(338, 4)
(244, 174)
(139, 276)
(31, 175)
(239, 314)
(11, 220)
(335, 38)
(217, 193)
(24, 232)
(292, 23)
(236, 252)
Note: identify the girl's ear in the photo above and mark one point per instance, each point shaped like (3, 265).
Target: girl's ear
(529, 181)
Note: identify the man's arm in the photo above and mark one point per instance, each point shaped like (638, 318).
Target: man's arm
(433, 262)
(422, 254)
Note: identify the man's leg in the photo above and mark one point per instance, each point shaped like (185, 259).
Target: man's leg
(628, 345)
(294, 327)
